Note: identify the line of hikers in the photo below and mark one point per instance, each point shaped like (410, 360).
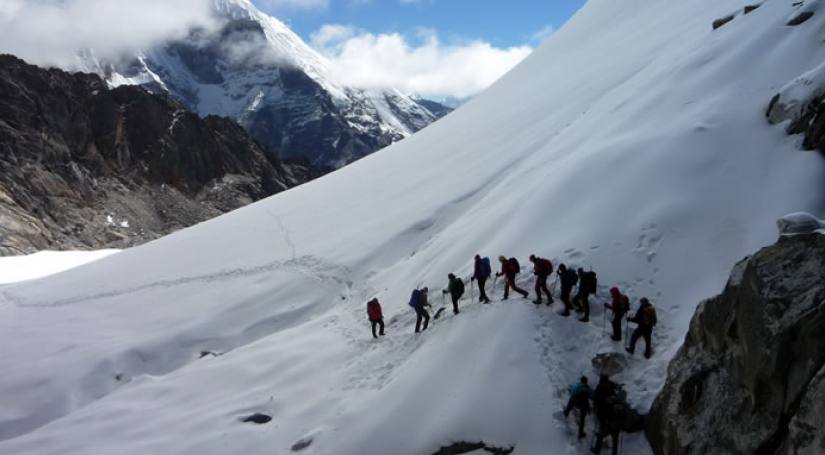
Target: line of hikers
(645, 317)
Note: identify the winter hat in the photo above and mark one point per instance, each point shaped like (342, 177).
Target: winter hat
(644, 301)
(502, 258)
(532, 257)
(614, 291)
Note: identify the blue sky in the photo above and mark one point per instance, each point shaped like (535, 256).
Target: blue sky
(435, 48)
(501, 23)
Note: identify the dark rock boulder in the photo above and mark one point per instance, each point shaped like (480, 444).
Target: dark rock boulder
(462, 447)
(722, 21)
(800, 18)
(750, 377)
(257, 418)
(751, 8)
(83, 166)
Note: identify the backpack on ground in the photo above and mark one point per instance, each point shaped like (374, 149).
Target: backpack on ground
(515, 265)
(415, 298)
(486, 270)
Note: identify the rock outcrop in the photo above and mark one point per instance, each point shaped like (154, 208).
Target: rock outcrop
(83, 166)
(750, 377)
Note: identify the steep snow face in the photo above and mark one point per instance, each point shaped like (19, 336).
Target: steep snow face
(257, 71)
(633, 141)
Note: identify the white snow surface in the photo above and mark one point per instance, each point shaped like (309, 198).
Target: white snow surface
(14, 269)
(633, 141)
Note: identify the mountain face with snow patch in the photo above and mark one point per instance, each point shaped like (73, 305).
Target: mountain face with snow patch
(83, 166)
(634, 141)
(255, 70)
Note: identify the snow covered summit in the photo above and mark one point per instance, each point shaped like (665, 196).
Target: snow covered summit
(633, 141)
(254, 69)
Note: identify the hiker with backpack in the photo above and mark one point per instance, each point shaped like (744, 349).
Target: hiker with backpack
(482, 272)
(568, 279)
(619, 305)
(645, 320)
(580, 394)
(607, 403)
(588, 285)
(542, 269)
(456, 289)
(510, 268)
(418, 301)
(376, 316)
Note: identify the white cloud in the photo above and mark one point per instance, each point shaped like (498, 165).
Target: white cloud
(50, 32)
(429, 67)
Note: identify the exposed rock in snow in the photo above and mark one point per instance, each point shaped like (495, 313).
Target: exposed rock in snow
(806, 10)
(799, 223)
(800, 103)
(751, 369)
(722, 21)
(258, 418)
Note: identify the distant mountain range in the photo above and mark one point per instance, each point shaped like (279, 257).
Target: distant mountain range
(255, 70)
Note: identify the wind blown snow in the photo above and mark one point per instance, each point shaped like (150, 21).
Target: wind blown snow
(633, 141)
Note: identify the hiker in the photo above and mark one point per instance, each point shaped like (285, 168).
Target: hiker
(418, 300)
(510, 268)
(604, 403)
(580, 394)
(568, 279)
(542, 269)
(587, 285)
(619, 305)
(376, 316)
(645, 320)
(481, 272)
(456, 290)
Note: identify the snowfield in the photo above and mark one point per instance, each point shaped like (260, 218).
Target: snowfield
(633, 141)
(14, 269)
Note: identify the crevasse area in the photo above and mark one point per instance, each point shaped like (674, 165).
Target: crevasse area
(633, 141)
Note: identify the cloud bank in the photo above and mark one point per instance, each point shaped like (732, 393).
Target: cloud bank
(423, 65)
(51, 32)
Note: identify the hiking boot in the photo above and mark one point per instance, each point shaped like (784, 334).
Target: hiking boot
(582, 435)
(566, 314)
(648, 355)
(615, 339)
(630, 351)
(537, 302)
(584, 319)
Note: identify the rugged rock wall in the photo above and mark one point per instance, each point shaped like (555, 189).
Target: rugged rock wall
(750, 377)
(82, 166)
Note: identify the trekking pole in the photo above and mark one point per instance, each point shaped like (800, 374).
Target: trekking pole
(472, 298)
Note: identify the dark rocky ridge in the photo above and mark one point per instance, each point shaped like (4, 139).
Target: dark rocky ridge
(750, 377)
(83, 166)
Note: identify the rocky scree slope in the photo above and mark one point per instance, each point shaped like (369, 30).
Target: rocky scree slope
(83, 166)
(750, 377)
(254, 69)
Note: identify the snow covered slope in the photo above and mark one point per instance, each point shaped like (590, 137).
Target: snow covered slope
(256, 70)
(634, 141)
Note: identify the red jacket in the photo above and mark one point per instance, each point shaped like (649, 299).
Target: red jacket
(374, 310)
(507, 269)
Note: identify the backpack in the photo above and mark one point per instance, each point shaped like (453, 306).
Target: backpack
(546, 266)
(415, 298)
(590, 282)
(649, 316)
(486, 270)
(460, 286)
(571, 278)
(624, 304)
(515, 265)
(581, 396)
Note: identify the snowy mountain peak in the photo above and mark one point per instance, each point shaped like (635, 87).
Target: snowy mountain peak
(254, 69)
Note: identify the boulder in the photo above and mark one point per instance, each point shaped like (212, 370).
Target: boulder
(722, 21)
(749, 377)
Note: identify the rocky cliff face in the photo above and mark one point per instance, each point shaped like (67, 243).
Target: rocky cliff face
(83, 166)
(750, 377)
